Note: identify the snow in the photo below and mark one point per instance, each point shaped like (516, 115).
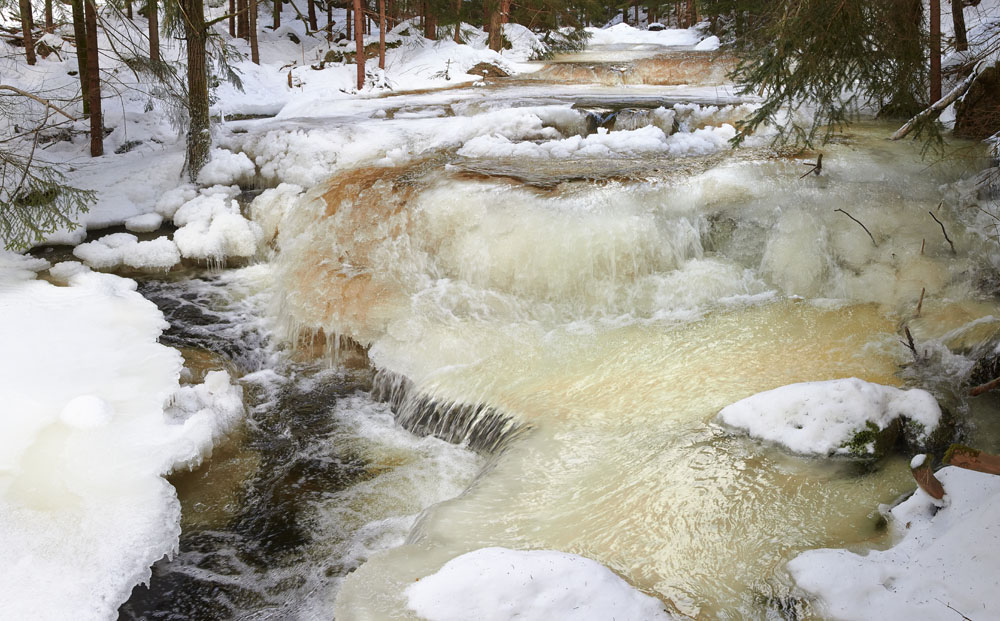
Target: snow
(270, 206)
(86, 436)
(113, 251)
(226, 168)
(946, 562)
(623, 34)
(917, 461)
(708, 44)
(213, 228)
(628, 143)
(144, 223)
(498, 584)
(821, 417)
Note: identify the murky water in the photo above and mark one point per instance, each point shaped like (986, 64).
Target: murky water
(577, 324)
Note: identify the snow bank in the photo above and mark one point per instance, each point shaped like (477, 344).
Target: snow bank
(623, 34)
(649, 140)
(145, 223)
(85, 441)
(500, 584)
(822, 418)
(226, 168)
(113, 251)
(212, 227)
(946, 558)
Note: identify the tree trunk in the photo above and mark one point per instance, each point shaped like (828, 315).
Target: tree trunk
(154, 30)
(199, 138)
(243, 19)
(254, 49)
(276, 14)
(430, 22)
(935, 19)
(495, 39)
(94, 81)
(381, 34)
(635, 13)
(504, 14)
(692, 13)
(26, 26)
(359, 56)
(232, 18)
(128, 9)
(458, 21)
(313, 24)
(350, 23)
(329, 21)
(48, 16)
(958, 21)
(80, 34)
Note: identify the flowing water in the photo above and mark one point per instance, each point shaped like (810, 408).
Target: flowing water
(571, 328)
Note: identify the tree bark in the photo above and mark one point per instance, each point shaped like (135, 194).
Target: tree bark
(635, 12)
(94, 81)
(958, 21)
(26, 26)
(350, 25)
(935, 20)
(80, 34)
(199, 138)
(232, 18)
(276, 14)
(152, 13)
(254, 48)
(49, 26)
(329, 20)
(381, 34)
(359, 56)
(243, 19)
(495, 39)
(313, 24)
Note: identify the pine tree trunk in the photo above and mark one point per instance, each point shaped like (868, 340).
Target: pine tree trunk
(313, 24)
(958, 21)
(80, 34)
(935, 22)
(152, 13)
(381, 34)
(692, 13)
(254, 49)
(504, 14)
(26, 26)
(199, 138)
(350, 20)
(635, 5)
(495, 39)
(359, 43)
(243, 19)
(94, 81)
(48, 16)
(681, 22)
(329, 20)
(276, 14)
(232, 18)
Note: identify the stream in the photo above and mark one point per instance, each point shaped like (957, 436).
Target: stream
(469, 349)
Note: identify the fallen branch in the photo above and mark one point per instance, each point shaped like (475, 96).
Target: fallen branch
(920, 304)
(859, 223)
(972, 459)
(909, 343)
(925, 478)
(948, 239)
(936, 108)
(44, 102)
(988, 386)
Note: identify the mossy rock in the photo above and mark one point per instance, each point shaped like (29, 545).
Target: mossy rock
(333, 56)
(872, 442)
(488, 70)
(986, 368)
(919, 441)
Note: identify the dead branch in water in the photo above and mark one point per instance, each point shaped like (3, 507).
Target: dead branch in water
(948, 239)
(920, 304)
(910, 344)
(816, 168)
(860, 224)
(988, 386)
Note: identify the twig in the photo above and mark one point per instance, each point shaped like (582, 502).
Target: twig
(923, 290)
(909, 343)
(922, 242)
(44, 102)
(988, 386)
(816, 168)
(948, 239)
(859, 223)
(956, 610)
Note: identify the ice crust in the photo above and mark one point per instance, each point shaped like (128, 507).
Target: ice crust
(93, 418)
(117, 249)
(820, 417)
(499, 584)
(945, 557)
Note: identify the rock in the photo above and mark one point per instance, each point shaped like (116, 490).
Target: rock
(487, 70)
(977, 115)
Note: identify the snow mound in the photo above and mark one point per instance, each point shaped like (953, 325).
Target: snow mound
(145, 223)
(709, 44)
(648, 140)
(226, 168)
(15, 266)
(113, 251)
(497, 584)
(822, 418)
(212, 228)
(85, 441)
(623, 34)
(945, 565)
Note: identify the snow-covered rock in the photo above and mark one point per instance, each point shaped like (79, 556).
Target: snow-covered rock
(498, 584)
(826, 418)
(117, 249)
(946, 564)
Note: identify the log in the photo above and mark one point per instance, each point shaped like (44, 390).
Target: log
(927, 481)
(936, 108)
(972, 459)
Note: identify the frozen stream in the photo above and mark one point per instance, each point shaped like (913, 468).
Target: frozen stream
(571, 321)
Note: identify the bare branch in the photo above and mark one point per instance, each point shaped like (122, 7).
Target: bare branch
(44, 102)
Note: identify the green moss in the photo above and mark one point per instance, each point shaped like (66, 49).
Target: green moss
(873, 442)
(958, 449)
